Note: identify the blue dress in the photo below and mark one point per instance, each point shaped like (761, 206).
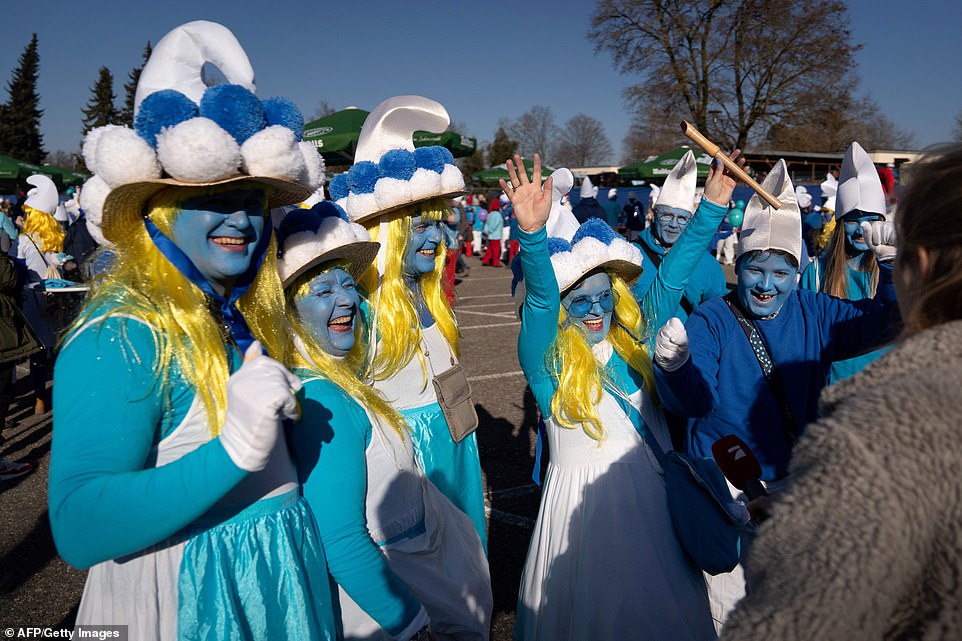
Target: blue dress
(181, 543)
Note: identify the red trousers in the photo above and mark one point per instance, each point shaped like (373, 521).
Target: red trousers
(447, 279)
(513, 248)
(492, 255)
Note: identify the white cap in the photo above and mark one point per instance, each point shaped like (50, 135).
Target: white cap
(561, 222)
(859, 186)
(43, 197)
(765, 227)
(679, 188)
(587, 189)
(803, 197)
(612, 193)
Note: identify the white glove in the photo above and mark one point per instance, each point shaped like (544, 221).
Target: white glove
(671, 345)
(259, 396)
(879, 235)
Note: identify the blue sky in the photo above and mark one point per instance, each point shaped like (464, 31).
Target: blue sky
(482, 59)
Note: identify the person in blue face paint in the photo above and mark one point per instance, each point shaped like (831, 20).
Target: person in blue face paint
(847, 268)
(170, 475)
(408, 562)
(675, 216)
(754, 362)
(604, 562)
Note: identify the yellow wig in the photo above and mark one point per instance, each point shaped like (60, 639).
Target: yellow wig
(580, 378)
(43, 229)
(144, 284)
(341, 372)
(398, 328)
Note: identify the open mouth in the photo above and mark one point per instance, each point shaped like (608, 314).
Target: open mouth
(763, 298)
(342, 324)
(230, 243)
(594, 324)
(429, 253)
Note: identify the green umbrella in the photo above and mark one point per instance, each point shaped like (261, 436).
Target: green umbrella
(492, 175)
(658, 167)
(63, 176)
(335, 137)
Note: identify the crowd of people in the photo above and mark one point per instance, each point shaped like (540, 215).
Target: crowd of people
(268, 433)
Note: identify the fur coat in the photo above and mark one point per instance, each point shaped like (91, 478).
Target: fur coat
(867, 541)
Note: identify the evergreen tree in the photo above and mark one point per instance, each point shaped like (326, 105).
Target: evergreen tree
(100, 109)
(126, 116)
(501, 148)
(20, 135)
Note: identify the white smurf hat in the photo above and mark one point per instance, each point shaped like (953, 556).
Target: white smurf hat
(765, 227)
(198, 123)
(829, 188)
(679, 188)
(802, 197)
(307, 238)
(587, 189)
(561, 221)
(388, 172)
(859, 186)
(43, 197)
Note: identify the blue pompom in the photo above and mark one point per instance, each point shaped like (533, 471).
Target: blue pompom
(327, 209)
(595, 228)
(235, 109)
(164, 108)
(281, 111)
(338, 187)
(448, 156)
(430, 158)
(397, 163)
(362, 177)
(557, 245)
(296, 221)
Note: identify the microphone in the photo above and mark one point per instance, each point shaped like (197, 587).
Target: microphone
(739, 466)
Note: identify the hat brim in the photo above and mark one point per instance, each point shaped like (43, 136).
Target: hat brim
(629, 272)
(359, 257)
(126, 202)
(414, 201)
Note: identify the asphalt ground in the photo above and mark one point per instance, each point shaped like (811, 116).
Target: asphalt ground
(38, 589)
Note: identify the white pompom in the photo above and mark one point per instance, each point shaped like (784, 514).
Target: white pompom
(452, 179)
(274, 153)
(198, 151)
(122, 157)
(93, 194)
(425, 183)
(391, 192)
(90, 147)
(314, 163)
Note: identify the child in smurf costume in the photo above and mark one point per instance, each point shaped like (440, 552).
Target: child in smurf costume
(402, 195)
(408, 563)
(170, 477)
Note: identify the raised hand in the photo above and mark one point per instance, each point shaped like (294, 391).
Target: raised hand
(259, 396)
(879, 235)
(720, 184)
(671, 345)
(531, 199)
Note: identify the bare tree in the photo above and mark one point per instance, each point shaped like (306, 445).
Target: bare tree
(535, 132)
(734, 68)
(61, 158)
(323, 109)
(957, 132)
(583, 143)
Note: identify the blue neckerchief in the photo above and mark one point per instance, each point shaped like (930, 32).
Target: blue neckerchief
(240, 333)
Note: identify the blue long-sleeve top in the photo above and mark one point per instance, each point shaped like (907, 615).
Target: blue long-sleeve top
(493, 225)
(858, 285)
(706, 280)
(329, 445)
(107, 499)
(722, 385)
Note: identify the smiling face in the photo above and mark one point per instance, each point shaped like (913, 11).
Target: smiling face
(765, 279)
(219, 232)
(329, 308)
(670, 222)
(422, 247)
(853, 231)
(591, 302)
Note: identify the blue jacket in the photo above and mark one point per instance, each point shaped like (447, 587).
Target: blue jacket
(722, 387)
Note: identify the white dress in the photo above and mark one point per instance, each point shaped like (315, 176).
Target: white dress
(604, 562)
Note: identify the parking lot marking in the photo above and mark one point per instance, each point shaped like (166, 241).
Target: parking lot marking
(488, 377)
(489, 325)
(508, 314)
(464, 298)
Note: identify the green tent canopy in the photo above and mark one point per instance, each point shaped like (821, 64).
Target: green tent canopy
(492, 175)
(14, 174)
(658, 167)
(335, 137)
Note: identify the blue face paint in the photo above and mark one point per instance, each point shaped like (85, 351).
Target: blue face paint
(853, 231)
(329, 309)
(422, 247)
(764, 282)
(591, 293)
(670, 222)
(219, 233)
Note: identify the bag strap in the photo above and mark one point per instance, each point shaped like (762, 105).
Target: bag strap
(656, 259)
(42, 257)
(768, 367)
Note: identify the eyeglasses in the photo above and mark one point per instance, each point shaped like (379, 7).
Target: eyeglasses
(580, 306)
(666, 219)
